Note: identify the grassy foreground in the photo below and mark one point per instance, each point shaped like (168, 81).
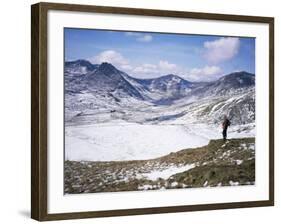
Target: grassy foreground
(219, 163)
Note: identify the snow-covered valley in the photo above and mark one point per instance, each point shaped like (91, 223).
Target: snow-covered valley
(102, 127)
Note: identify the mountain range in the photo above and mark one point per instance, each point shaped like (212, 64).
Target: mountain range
(104, 86)
(82, 75)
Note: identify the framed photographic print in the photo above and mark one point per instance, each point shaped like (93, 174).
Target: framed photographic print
(140, 111)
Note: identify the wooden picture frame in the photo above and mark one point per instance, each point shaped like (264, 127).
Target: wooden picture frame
(39, 110)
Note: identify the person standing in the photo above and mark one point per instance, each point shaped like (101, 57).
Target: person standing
(225, 125)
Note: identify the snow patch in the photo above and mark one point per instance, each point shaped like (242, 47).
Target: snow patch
(238, 161)
(232, 183)
(205, 184)
(145, 187)
(166, 173)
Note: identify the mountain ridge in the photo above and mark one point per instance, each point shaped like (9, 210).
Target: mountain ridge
(160, 90)
(87, 63)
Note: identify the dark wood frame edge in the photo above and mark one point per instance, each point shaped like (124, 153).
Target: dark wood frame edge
(39, 121)
(38, 112)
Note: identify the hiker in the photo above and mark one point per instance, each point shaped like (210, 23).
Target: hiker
(225, 125)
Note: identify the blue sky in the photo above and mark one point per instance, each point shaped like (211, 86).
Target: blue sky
(149, 55)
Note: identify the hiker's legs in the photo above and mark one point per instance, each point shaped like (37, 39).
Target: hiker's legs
(224, 134)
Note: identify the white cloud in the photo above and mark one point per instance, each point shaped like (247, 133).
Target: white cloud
(207, 73)
(207, 70)
(145, 38)
(112, 57)
(163, 67)
(125, 67)
(142, 37)
(145, 70)
(134, 34)
(222, 49)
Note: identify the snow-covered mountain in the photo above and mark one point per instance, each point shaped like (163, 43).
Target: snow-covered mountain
(161, 90)
(102, 93)
(101, 79)
(82, 75)
(107, 79)
(226, 85)
(97, 92)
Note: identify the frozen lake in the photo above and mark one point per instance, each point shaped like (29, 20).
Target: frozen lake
(132, 141)
(128, 141)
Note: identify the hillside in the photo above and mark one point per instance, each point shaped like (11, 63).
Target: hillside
(219, 163)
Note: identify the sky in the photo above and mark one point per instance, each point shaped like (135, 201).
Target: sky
(150, 55)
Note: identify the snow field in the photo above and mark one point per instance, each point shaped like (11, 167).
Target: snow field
(127, 141)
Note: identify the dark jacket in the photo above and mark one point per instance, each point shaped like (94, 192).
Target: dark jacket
(225, 124)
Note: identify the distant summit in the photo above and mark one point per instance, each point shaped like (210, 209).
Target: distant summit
(237, 80)
(108, 69)
(79, 66)
(226, 85)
